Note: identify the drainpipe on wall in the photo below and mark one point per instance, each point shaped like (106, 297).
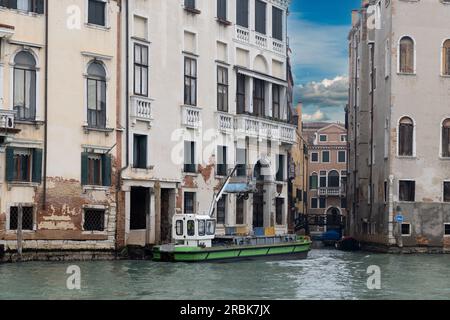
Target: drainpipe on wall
(44, 185)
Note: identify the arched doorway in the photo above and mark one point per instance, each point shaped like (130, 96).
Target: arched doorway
(334, 219)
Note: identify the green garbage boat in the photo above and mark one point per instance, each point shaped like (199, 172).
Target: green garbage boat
(195, 240)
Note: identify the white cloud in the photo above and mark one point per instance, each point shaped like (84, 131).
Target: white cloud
(316, 116)
(327, 93)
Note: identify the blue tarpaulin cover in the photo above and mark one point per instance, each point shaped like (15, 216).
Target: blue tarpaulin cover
(238, 188)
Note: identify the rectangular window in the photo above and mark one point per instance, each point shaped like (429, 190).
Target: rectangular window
(221, 210)
(222, 167)
(406, 229)
(140, 151)
(97, 12)
(260, 17)
(323, 138)
(222, 9)
(279, 207)
(323, 179)
(242, 13)
(322, 202)
(189, 4)
(447, 229)
(313, 182)
(277, 23)
(325, 156)
(35, 6)
(240, 93)
(27, 218)
(241, 161)
(343, 138)
(141, 70)
(447, 191)
(222, 89)
(342, 157)
(190, 81)
(280, 176)
(22, 165)
(276, 101)
(386, 195)
(189, 202)
(259, 95)
(299, 195)
(189, 157)
(314, 203)
(407, 191)
(94, 220)
(240, 203)
(314, 157)
(344, 203)
(95, 169)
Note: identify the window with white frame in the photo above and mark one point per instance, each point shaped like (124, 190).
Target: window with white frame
(140, 69)
(407, 55)
(96, 95)
(24, 86)
(314, 157)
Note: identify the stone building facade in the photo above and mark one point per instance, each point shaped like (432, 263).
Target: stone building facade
(58, 99)
(327, 170)
(398, 125)
(216, 96)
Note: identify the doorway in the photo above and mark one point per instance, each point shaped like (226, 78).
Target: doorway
(166, 219)
(258, 210)
(139, 208)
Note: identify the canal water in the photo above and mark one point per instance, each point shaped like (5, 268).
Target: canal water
(326, 274)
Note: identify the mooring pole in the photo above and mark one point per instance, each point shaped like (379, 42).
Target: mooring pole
(19, 230)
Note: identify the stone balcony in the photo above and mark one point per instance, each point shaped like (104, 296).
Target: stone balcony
(332, 191)
(191, 117)
(256, 127)
(141, 110)
(259, 40)
(7, 122)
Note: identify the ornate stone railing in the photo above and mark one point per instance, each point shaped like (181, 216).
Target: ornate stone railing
(253, 126)
(7, 118)
(191, 117)
(260, 40)
(225, 122)
(141, 109)
(332, 191)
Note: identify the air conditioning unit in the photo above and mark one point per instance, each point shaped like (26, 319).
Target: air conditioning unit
(7, 121)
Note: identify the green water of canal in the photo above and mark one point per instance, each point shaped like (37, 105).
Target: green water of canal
(326, 274)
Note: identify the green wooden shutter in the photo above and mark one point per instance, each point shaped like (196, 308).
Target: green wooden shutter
(84, 168)
(37, 166)
(106, 170)
(9, 164)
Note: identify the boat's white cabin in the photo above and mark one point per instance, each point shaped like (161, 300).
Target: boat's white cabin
(193, 230)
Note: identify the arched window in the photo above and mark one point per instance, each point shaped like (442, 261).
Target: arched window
(96, 95)
(446, 58)
(333, 179)
(446, 138)
(406, 55)
(405, 137)
(25, 86)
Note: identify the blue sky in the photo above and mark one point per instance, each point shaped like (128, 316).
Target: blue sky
(318, 32)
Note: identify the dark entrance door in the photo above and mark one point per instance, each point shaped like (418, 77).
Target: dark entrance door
(258, 211)
(333, 219)
(166, 223)
(139, 208)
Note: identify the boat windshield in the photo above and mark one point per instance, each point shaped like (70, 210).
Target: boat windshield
(191, 228)
(179, 227)
(201, 227)
(210, 227)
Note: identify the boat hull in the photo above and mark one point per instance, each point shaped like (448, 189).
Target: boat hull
(285, 251)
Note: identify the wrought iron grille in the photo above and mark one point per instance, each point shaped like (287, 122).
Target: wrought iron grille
(27, 218)
(94, 220)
